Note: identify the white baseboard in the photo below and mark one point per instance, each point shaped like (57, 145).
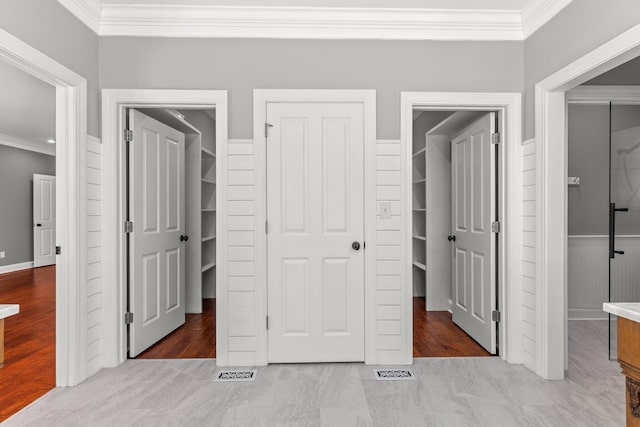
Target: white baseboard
(587, 314)
(16, 267)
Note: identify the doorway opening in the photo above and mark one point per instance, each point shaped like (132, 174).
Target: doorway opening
(455, 263)
(449, 114)
(28, 236)
(170, 208)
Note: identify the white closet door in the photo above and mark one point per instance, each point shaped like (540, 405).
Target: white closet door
(157, 209)
(473, 211)
(315, 208)
(44, 220)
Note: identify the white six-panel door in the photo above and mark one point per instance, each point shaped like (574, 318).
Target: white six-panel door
(157, 209)
(473, 208)
(44, 220)
(315, 211)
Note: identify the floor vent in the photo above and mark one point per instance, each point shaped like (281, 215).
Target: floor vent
(393, 374)
(235, 376)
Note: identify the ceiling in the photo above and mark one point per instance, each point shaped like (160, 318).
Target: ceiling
(27, 109)
(318, 19)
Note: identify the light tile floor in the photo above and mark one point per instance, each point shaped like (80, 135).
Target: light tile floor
(447, 392)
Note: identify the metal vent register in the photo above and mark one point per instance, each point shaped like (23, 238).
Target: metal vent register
(234, 376)
(393, 374)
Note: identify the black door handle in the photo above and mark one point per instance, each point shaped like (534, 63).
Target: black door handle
(612, 229)
(184, 238)
(355, 246)
(451, 238)
(38, 225)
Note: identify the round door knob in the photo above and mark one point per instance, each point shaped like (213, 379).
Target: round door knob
(355, 246)
(38, 225)
(184, 238)
(451, 238)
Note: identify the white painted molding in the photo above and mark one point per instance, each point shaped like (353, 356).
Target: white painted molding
(551, 199)
(510, 209)
(87, 11)
(23, 144)
(16, 267)
(536, 13)
(603, 94)
(308, 22)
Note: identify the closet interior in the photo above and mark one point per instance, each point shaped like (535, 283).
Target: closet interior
(199, 127)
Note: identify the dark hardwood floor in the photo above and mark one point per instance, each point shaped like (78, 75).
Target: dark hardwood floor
(435, 335)
(195, 339)
(30, 338)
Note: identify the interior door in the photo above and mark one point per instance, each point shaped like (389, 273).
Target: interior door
(315, 210)
(624, 210)
(156, 246)
(44, 220)
(473, 165)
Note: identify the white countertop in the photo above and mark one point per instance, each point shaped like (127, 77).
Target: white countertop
(7, 310)
(628, 310)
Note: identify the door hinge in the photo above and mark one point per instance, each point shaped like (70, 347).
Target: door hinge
(128, 135)
(495, 316)
(58, 250)
(128, 318)
(495, 226)
(266, 129)
(495, 138)
(128, 227)
(266, 227)
(267, 320)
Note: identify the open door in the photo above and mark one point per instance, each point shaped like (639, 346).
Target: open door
(44, 220)
(473, 167)
(156, 185)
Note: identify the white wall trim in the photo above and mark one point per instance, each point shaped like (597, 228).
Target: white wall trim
(23, 144)
(551, 197)
(536, 13)
(71, 131)
(87, 11)
(603, 94)
(510, 209)
(113, 103)
(260, 99)
(16, 267)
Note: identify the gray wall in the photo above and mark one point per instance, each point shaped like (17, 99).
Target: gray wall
(579, 28)
(50, 28)
(588, 127)
(16, 193)
(242, 65)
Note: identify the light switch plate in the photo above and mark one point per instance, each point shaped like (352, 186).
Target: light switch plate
(385, 210)
(2, 254)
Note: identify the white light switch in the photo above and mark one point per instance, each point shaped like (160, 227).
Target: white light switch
(385, 210)
(2, 254)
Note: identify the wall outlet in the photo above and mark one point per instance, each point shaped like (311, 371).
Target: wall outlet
(2, 254)
(385, 210)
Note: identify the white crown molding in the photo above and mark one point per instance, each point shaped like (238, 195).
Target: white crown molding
(207, 21)
(87, 11)
(536, 13)
(23, 144)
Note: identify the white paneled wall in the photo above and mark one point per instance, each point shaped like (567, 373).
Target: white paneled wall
(588, 275)
(240, 251)
(391, 314)
(529, 254)
(94, 256)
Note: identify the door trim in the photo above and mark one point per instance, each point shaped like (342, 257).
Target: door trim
(114, 103)
(509, 106)
(71, 133)
(551, 194)
(261, 97)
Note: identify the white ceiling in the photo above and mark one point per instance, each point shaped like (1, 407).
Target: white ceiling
(414, 4)
(27, 107)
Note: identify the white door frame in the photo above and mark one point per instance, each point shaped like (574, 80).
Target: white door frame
(114, 102)
(261, 97)
(71, 133)
(551, 194)
(509, 105)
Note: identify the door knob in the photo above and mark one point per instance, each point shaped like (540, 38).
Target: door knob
(184, 238)
(355, 246)
(451, 238)
(38, 225)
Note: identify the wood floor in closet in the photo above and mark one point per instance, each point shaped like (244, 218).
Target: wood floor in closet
(435, 335)
(196, 339)
(30, 338)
